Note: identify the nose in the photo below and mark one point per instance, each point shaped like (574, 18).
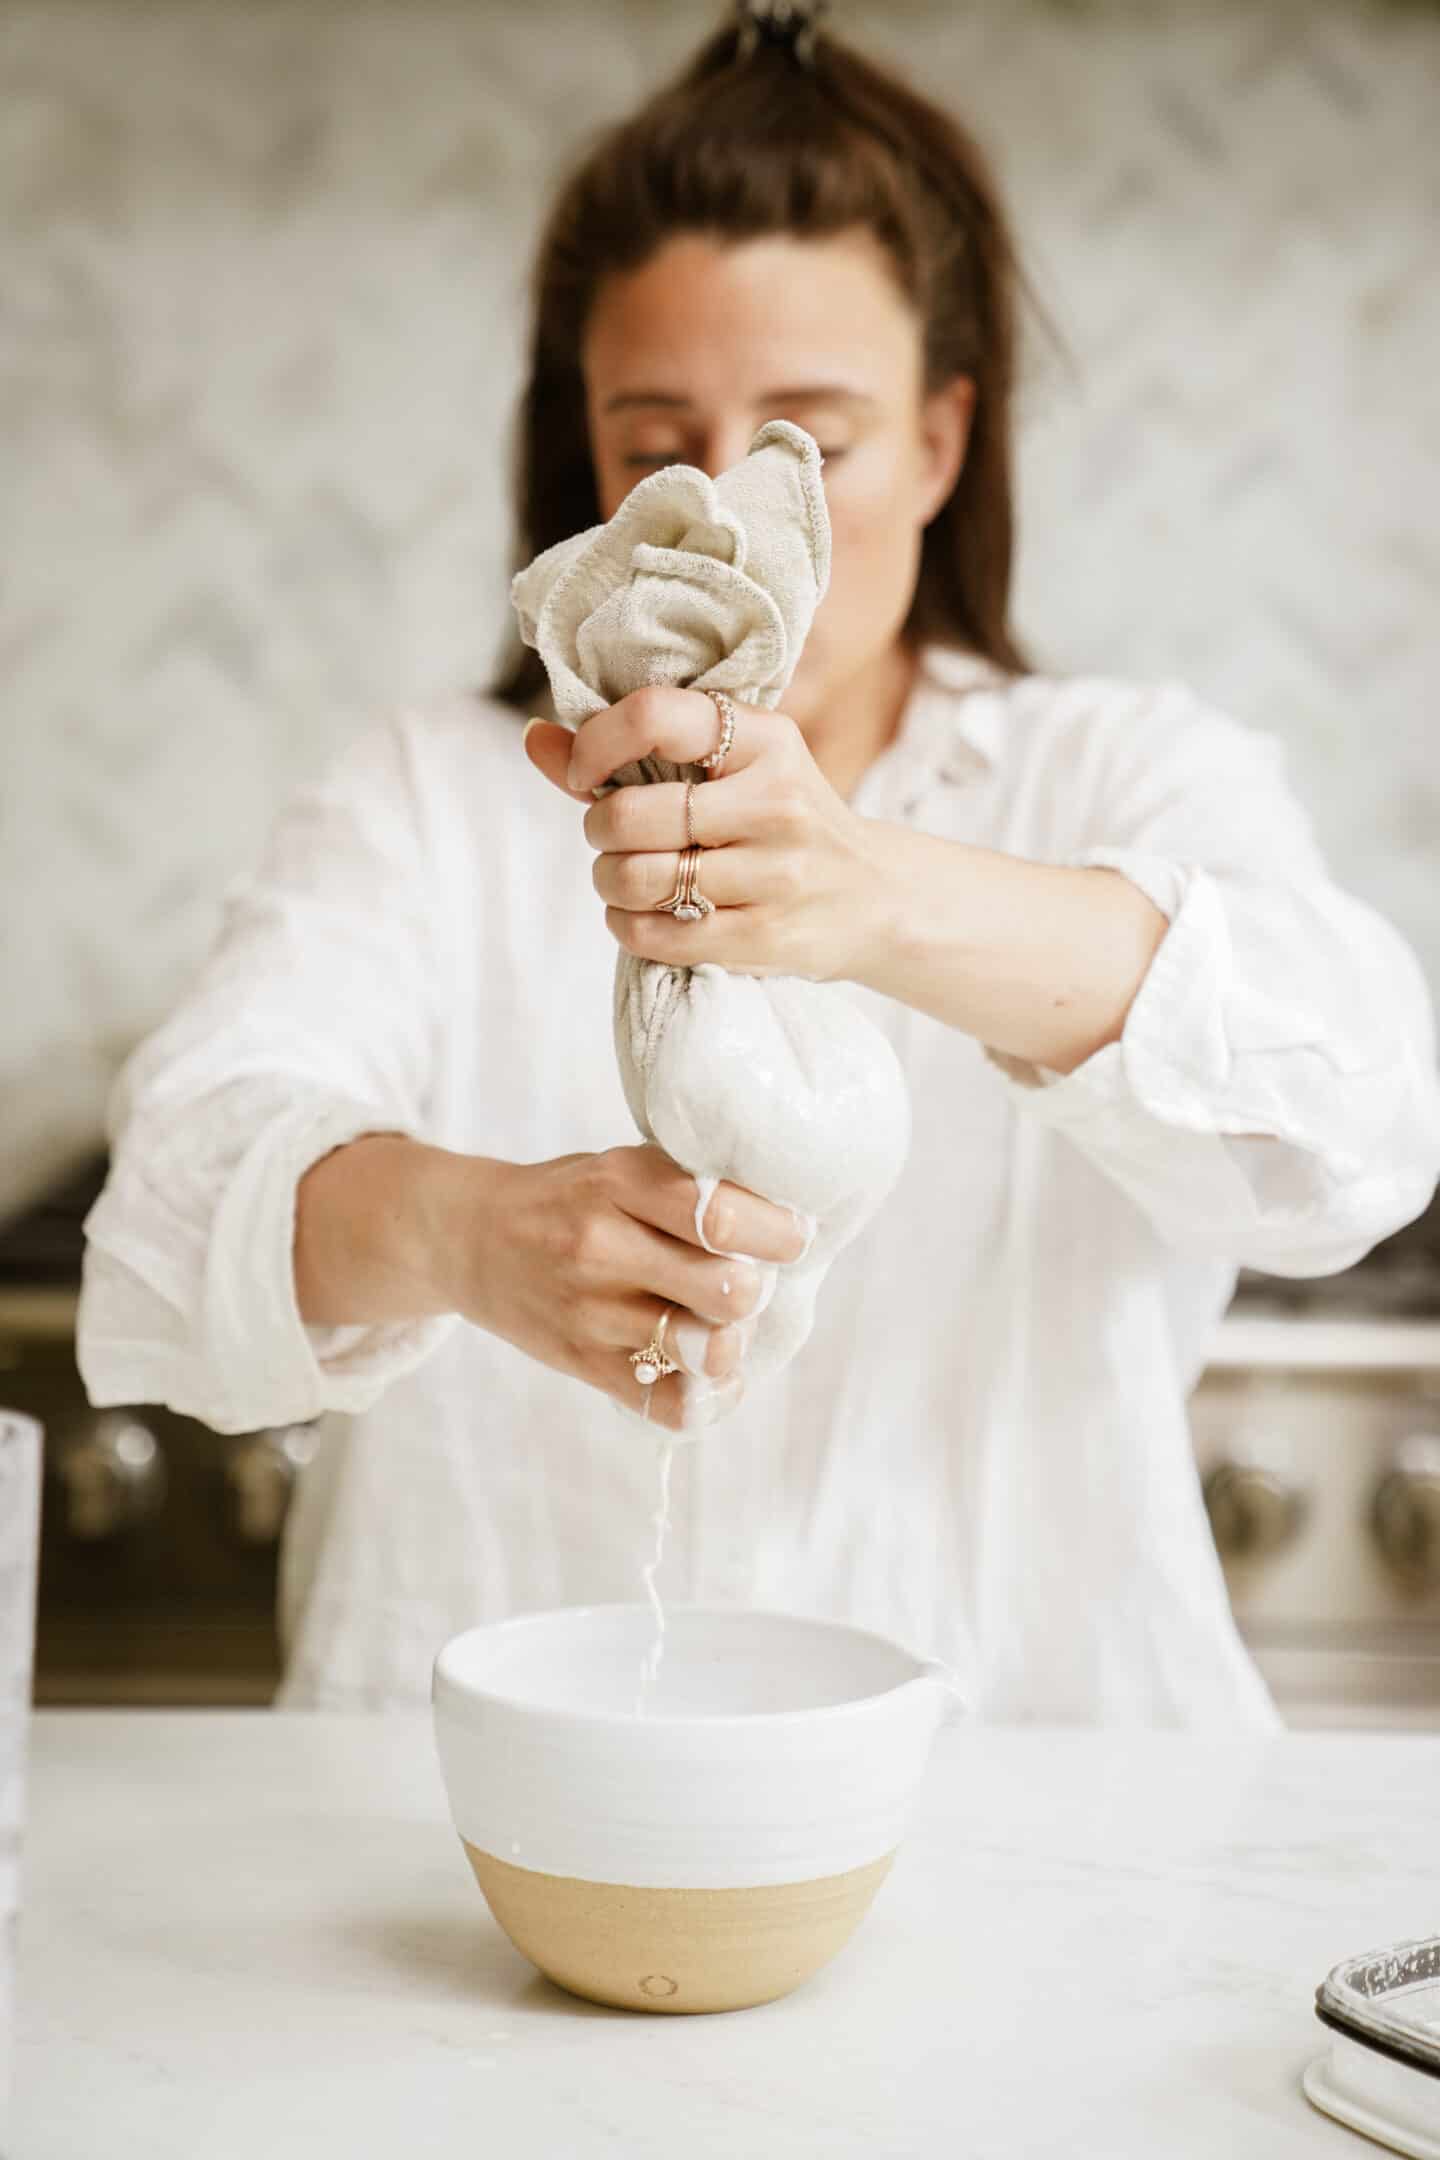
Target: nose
(726, 442)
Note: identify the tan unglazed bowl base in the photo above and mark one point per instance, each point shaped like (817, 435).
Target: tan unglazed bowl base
(676, 1950)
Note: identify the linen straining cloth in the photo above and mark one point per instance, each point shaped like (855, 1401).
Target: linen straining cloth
(777, 1084)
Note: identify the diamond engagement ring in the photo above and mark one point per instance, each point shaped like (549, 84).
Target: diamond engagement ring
(687, 903)
(651, 1363)
(726, 710)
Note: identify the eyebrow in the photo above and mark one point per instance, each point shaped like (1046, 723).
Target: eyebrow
(794, 394)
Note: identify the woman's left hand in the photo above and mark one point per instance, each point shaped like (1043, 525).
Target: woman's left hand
(790, 869)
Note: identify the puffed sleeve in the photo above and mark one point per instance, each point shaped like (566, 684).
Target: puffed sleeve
(1273, 1096)
(313, 1022)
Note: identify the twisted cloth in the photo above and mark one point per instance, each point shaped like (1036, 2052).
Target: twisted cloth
(775, 1083)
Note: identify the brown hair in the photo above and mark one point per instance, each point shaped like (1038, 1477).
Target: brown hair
(751, 142)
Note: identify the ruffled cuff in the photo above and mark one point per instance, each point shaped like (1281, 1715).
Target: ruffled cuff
(1226, 1051)
(269, 1365)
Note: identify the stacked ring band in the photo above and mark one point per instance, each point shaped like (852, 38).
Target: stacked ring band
(726, 710)
(687, 903)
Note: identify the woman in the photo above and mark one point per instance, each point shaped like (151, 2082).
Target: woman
(378, 1161)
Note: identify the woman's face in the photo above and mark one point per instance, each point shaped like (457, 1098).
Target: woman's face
(685, 357)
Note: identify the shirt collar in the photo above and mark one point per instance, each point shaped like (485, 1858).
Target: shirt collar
(945, 730)
(949, 676)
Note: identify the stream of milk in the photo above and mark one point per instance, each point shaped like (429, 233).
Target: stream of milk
(651, 1666)
(704, 1189)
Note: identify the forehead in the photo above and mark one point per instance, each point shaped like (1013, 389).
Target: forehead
(704, 318)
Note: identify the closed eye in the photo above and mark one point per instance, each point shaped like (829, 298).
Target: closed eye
(638, 460)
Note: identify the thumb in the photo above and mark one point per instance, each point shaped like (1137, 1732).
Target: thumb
(548, 747)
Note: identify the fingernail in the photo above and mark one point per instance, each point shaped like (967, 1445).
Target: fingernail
(769, 1274)
(532, 723)
(807, 1226)
(691, 1340)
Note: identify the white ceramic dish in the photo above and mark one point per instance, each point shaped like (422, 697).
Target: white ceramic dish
(1383, 2098)
(1381, 2071)
(713, 1852)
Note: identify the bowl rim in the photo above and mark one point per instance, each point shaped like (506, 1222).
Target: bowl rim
(461, 1695)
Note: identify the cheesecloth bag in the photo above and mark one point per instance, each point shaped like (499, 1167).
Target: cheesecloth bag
(775, 1083)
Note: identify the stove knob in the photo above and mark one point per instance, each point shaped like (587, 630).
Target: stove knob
(113, 1477)
(1405, 1512)
(261, 1473)
(1253, 1511)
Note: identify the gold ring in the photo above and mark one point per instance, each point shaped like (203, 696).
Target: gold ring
(687, 903)
(690, 840)
(651, 1363)
(722, 748)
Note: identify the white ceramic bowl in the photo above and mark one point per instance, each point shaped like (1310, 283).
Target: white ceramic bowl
(712, 1853)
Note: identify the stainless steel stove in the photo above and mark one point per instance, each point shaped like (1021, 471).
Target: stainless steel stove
(158, 1537)
(1317, 1430)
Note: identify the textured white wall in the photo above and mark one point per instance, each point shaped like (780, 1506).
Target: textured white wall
(260, 332)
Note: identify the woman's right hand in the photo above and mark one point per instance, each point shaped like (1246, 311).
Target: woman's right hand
(574, 1261)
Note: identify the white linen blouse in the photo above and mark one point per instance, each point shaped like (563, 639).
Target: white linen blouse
(982, 1450)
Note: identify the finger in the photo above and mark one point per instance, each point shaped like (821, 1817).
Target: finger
(640, 883)
(681, 725)
(677, 1403)
(718, 1291)
(708, 1353)
(730, 939)
(703, 1402)
(657, 1191)
(705, 1351)
(715, 1289)
(649, 819)
(548, 747)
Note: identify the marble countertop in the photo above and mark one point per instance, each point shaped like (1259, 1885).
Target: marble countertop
(256, 1934)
